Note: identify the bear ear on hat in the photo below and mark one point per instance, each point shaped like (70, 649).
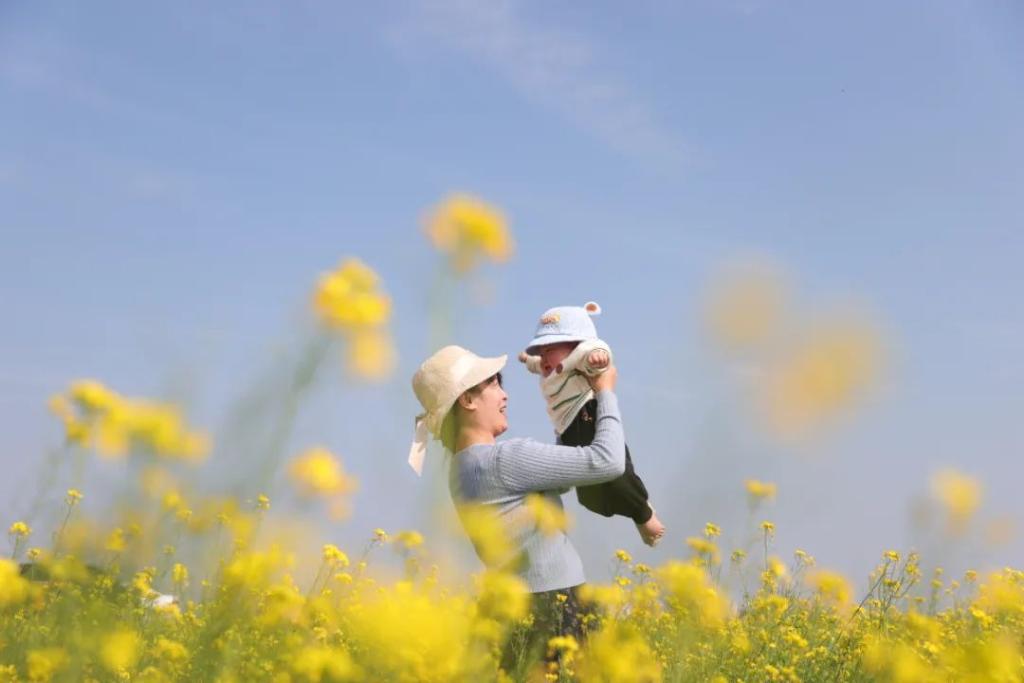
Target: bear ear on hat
(592, 308)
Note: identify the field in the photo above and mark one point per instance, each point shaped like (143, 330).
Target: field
(187, 587)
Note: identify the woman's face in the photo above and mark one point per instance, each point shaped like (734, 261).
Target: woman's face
(488, 405)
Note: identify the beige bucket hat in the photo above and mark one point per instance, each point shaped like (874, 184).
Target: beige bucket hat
(438, 383)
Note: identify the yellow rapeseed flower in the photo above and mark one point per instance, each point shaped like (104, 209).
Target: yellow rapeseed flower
(704, 547)
(19, 530)
(334, 555)
(169, 650)
(823, 376)
(349, 298)
(759, 490)
(550, 518)
(960, 496)
(73, 497)
(43, 664)
(409, 539)
(119, 651)
(371, 354)
(502, 596)
(693, 594)
(831, 586)
(13, 587)
(317, 472)
(468, 229)
(746, 308)
(114, 425)
(116, 541)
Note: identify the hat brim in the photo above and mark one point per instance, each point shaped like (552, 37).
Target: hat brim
(548, 339)
(481, 370)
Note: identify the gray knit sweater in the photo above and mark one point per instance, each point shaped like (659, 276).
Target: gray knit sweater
(503, 474)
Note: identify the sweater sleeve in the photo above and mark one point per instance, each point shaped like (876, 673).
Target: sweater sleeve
(582, 354)
(529, 465)
(532, 363)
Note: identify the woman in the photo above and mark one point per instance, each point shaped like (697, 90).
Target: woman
(464, 406)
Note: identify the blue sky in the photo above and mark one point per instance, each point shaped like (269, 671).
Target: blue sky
(172, 179)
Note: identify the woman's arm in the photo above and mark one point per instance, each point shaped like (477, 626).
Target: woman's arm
(528, 465)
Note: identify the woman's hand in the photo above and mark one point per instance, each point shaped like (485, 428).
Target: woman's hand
(605, 380)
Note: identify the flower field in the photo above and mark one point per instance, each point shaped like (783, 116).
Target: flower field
(183, 586)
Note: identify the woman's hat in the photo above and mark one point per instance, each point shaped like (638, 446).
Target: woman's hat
(565, 324)
(438, 383)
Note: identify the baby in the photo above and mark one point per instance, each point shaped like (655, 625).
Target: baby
(564, 350)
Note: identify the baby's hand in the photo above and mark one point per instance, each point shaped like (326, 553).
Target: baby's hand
(651, 531)
(598, 359)
(523, 357)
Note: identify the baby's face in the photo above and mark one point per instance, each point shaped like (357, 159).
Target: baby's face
(552, 355)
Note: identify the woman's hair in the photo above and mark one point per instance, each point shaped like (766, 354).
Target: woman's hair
(450, 426)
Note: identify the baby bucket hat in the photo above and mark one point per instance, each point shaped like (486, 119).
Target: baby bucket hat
(441, 379)
(565, 324)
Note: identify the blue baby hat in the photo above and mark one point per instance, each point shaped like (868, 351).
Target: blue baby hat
(565, 324)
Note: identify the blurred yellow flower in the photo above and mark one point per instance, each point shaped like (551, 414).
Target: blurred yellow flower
(13, 588)
(703, 547)
(822, 376)
(116, 541)
(179, 574)
(550, 518)
(759, 490)
(317, 472)
(692, 593)
(468, 229)
(19, 530)
(619, 654)
(43, 664)
(113, 424)
(488, 533)
(409, 539)
(831, 586)
(334, 555)
(502, 596)
(170, 650)
(960, 496)
(348, 298)
(746, 306)
(371, 354)
(317, 663)
(119, 650)
(73, 498)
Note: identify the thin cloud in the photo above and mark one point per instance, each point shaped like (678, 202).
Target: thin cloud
(553, 67)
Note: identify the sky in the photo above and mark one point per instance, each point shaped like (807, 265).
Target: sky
(174, 178)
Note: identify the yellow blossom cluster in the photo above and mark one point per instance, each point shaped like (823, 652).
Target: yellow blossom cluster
(803, 371)
(350, 301)
(252, 616)
(468, 230)
(95, 416)
(317, 473)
